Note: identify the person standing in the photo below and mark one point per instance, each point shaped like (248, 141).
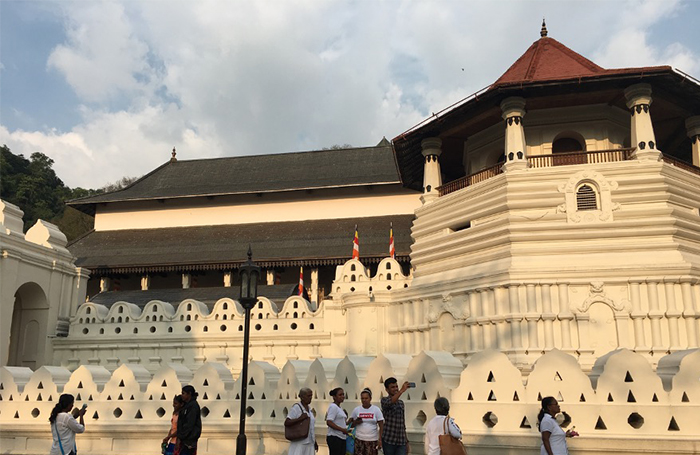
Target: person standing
(189, 423)
(437, 427)
(336, 419)
(301, 411)
(64, 426)
(170, 441)
(394, 439)
(553, 437)
(368, 421)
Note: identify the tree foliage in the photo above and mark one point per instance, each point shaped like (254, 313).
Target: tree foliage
(33, 185)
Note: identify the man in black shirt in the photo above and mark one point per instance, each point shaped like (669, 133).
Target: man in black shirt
(189, 423)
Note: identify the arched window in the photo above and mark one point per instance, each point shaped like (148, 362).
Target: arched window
(566, 145)
(586, 198)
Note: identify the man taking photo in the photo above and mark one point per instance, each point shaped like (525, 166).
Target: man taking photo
(394, 440)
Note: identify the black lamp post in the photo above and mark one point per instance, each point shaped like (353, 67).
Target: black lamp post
(250, 273)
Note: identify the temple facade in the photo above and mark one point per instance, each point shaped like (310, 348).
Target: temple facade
(550, 219)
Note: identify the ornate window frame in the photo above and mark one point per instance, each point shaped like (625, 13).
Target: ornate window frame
(603, 188)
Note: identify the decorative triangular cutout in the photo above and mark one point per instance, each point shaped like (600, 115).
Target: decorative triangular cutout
(150, 398)
(672, 425)
(628, 377)
(280, 396)
(557, 376)
(515, 396)
(685, 398)
(89, 398)
(162, 396)
(205, 397)
(238, 397)
(40, 386)
(422, 379)
(38, 398)
(16, 414)
(315, 380)
(539, 397)
(423, 397)
(251, 382)
(470, 397)
(272, 414)
(227, 415)
(26, 398)
(560, 398)
(492, 396)
(630, 397)
(346, 380)
(1, 387)
(357, 398)
(438, 396)
(600, 425)
(610, 398)
(78, 397)
(218, 397)
(132, 398)
(655, 399)
(251, 396)
(287, 381)
(138, 415)
(408, 396)
(491, 378)
(164, 384)
(109, 397)
(263, 397)
(381, 379)
(50, 398)
(288, 395)
(121, 383)
(95, 415)
(525, 423)
(582, 398)
(80, 384)
(120, 397)
(10, 397)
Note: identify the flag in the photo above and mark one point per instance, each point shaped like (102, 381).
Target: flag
(392, 249)
(300, 291)
(356, 245)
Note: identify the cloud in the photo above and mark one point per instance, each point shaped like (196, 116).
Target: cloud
(220, 78)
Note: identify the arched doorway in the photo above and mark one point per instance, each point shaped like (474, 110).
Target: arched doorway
(29, 327)
(565, 147)
(602, 329)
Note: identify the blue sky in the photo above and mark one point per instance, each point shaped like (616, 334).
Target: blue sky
(108, 88)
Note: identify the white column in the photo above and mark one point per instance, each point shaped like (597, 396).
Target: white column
(655, 314)
(565, 316)
(548, 317)
(642, 131)
(672, 316)
(692, 126)
(503, 339)
(638, 318)
(689, 314)
(432, 177)
(532, 317)
(228, 279)
(475, 310)
(515, 318)
(105, 284)
(145, 282)
(186, 280)
(513, 109)
(314, 288)
(270, 275)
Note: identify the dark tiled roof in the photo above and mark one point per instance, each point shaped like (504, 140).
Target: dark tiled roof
(314, 242)
(259, 174)
(208, 296)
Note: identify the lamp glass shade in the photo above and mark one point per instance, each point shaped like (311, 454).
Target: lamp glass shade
(245, 285)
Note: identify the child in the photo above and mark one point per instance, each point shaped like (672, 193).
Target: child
(171, 439)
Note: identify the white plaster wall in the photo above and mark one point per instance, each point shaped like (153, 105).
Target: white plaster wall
(331, 204)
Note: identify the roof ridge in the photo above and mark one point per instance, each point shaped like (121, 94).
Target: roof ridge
(593, 66)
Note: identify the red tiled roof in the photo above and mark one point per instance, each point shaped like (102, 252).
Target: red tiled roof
(548, 60)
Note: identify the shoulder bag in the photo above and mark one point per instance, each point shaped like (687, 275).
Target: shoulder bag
(299, 430)
(449, 445)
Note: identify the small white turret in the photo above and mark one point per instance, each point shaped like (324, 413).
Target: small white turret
(432, 179)
(515, 148)
(642, 131)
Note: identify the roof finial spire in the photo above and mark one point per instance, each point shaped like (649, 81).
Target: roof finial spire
(172, 158)
(543, 30)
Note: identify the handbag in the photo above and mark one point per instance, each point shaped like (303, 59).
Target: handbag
(350, 441)
(449, 445)
(297, 431)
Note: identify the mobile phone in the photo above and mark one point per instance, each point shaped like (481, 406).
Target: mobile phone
(84, 406)
(411, 385)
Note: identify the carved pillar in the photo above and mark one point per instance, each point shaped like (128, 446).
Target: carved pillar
(532, 317)
(655, 315)
(638, 316)
(489, 339)
(270, 277)
(515, 319)
(186, 280)
(475, 310)
(513, 109)
(548, 317)
(642, 131)
(689, 314)
(672, 316)
(432, 177)
(692, 126)
(145, 282)
(503, 339)
(228, 279)
(565, 316)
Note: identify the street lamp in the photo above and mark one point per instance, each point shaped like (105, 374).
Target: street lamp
(249, 274)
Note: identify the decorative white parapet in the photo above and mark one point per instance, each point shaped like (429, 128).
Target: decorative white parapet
(11, 219)
(129, 409)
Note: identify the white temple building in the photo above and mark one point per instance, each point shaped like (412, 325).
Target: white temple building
(547, 235)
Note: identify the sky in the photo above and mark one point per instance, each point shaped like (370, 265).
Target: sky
(108, 88)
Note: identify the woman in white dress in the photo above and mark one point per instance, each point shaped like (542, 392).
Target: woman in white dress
(553, 437)
(64, 426)
(336, 419)
(436, 427)
(301, 411)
